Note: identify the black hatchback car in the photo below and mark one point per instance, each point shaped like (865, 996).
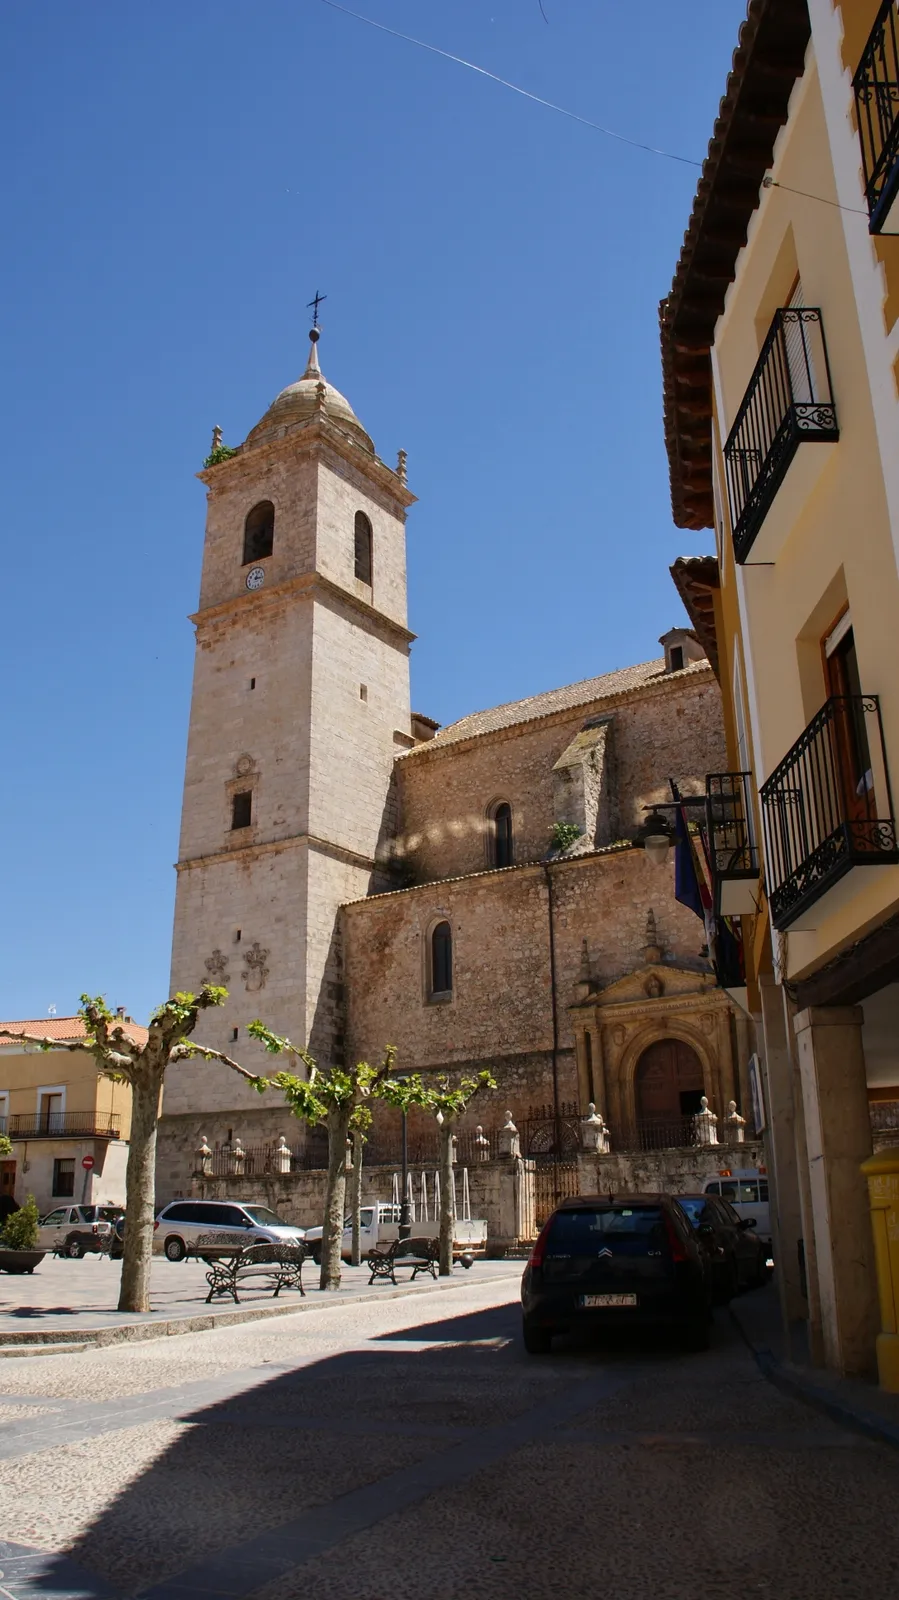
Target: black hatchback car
(738, 1257)
(616, 1261)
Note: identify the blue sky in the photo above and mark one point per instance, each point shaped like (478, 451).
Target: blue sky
(178, 180)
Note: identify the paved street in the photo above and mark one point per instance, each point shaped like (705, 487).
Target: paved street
(408, 1450)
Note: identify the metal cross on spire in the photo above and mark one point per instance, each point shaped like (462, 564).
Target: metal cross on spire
(314, 305)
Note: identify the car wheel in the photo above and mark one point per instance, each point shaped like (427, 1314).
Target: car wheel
(317, 1257)
(175, 1250)
(537, 1341)
(74, 1249)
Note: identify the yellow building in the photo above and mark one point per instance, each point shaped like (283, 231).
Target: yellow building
(780, 343)
(58, 1112)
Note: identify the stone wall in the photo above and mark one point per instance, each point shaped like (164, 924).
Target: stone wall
(673, 727)
(500, 1012)
(498, 1190)
(664, 1171)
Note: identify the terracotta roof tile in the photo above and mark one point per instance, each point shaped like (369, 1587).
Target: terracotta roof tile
(587, 692)
(66, 1029)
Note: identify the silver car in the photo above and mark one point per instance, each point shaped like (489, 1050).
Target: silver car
(188, 1225)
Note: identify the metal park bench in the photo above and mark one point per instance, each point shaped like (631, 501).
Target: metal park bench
(276, 1266)
(422, 1255)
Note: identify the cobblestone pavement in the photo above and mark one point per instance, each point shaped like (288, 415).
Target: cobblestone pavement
(409, 1450)
(71, 1297)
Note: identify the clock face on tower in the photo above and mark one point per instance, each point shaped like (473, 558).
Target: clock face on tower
(255, 577)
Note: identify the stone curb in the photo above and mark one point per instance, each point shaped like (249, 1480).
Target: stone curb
(49, 1343)
(794, 1381)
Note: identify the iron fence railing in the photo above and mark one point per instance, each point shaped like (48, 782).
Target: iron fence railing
(876, 86)
(789, 401)
(64, 1124)
(733, 851)
(827, 807)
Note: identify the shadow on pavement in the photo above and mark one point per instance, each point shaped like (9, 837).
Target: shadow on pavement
(273, 1476)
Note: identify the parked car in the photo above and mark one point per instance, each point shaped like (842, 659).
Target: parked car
(77, 1231)
(617, 1261)
(738, 1256)
(747, 1192)
(181, 1224)
(371, 1231)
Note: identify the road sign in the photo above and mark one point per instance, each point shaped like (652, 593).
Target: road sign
(87, 1162)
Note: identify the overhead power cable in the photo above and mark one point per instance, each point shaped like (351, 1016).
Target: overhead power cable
(598, 127)
(472, 66)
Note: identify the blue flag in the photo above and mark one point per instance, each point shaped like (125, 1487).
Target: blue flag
(686, 879)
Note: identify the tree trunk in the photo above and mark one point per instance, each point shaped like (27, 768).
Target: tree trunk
(140, 1196)
(335, 1199)
(447, 1208)
(356, 1199)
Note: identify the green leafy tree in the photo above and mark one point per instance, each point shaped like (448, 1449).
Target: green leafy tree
(447, 1102)
(20, 1229)
(122, 1058)
(329, 1096)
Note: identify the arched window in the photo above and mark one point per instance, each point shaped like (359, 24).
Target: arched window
(442, 959)
(259, 532)
(501, 842)
(363, 547)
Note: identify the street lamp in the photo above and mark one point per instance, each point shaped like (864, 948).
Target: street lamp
(655, 837)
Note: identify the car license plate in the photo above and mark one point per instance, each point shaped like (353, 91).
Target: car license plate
(608, 1299)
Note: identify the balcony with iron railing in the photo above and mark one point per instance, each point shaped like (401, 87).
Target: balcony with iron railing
(64, 1125)
(788, 404)
(730, 835)
(827, 810)
(876, 86)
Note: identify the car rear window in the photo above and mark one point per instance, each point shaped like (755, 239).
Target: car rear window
(582, 1232)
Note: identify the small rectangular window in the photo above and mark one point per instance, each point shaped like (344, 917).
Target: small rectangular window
(677, 658)
(252, 683)
(363, 691)
(64, 1177)
(242, 809)
(234, 1033)
(237, 936)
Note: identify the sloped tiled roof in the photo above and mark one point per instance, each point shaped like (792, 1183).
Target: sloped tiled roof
(67, 1029)
(589, 690)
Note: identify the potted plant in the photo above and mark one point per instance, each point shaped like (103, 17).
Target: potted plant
(19, 1240)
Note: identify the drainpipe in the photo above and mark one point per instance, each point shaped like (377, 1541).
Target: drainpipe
(557, 1124)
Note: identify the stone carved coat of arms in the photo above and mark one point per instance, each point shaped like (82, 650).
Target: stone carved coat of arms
(256, 971)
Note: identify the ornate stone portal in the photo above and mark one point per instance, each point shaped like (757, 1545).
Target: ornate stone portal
(621, 1032)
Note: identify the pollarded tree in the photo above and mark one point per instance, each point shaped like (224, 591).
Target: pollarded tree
(330, 1096)
(447, 1104)
(360, 1122)
(121, 1057)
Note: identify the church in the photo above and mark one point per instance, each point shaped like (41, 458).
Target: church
(357, 876)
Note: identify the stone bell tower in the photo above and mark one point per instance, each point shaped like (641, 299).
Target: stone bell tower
(300, 705)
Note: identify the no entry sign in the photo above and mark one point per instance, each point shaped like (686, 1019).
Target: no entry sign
(87, 1162)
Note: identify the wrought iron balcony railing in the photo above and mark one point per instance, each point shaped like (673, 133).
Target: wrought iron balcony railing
(876, 85)
(789, 402)
(64, 1125)
(733, 852)
(827, 808)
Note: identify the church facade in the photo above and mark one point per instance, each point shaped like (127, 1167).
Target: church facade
(358, 876)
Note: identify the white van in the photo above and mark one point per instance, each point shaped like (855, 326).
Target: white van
(747, 1192)
(373, 1230)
